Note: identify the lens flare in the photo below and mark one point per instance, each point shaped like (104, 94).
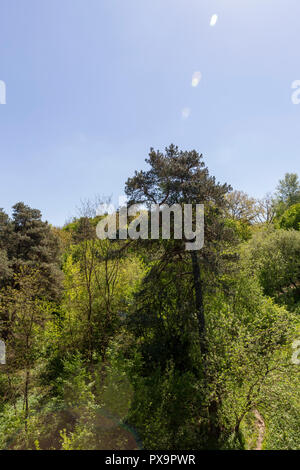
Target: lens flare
(196, 79)
(213, 20)
(185, 113)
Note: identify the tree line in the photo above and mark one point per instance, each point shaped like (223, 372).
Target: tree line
(127, 344)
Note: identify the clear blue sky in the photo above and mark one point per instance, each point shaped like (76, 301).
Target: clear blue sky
(92, 84)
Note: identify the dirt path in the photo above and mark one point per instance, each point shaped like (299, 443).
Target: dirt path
(260, 424)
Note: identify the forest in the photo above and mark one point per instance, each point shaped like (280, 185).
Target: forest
(141, 344)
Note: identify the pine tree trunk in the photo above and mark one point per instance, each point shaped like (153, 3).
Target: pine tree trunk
(199, 302)
(26, 398)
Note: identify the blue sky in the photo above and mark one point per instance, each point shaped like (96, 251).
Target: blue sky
(92, 84)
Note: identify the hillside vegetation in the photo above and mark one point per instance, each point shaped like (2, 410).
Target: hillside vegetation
(130, 344)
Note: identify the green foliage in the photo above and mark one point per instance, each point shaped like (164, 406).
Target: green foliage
(144, 344)
(288, 189)
(241, 228)
(290, 219)
(165, 410)
(25, 240)
(274, 256)
(282, 411)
